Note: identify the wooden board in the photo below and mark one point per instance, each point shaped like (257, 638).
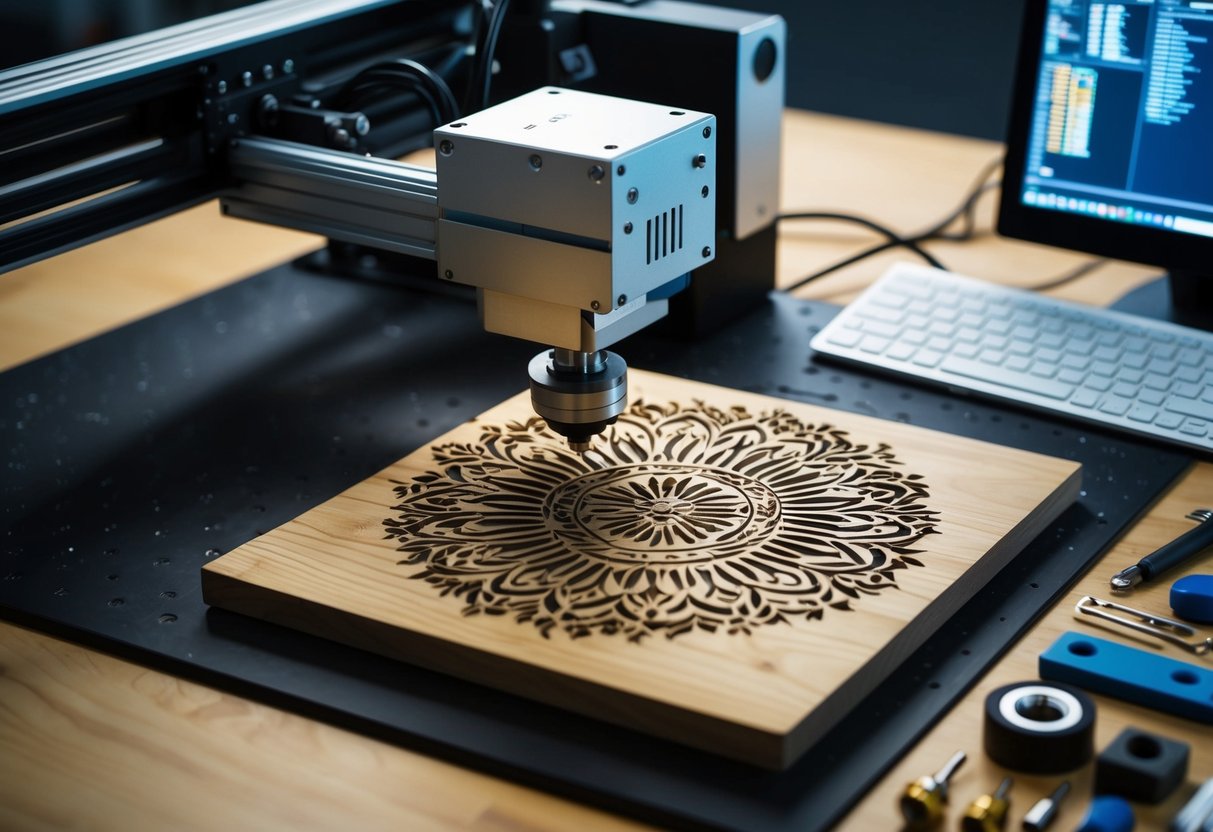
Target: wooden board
(726, 570)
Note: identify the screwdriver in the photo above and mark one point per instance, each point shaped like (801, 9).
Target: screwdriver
(923, 800)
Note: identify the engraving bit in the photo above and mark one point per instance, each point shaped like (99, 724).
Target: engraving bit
(988, 813)
(923, 801)
(1044, 811)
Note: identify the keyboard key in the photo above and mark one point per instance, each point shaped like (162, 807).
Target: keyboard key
(1192, 357)
(998, 375)
(1151, 397)
(1190, 374)
(1142, 413)
(881, 313)
(881, 328)
(901, 351)
(845, 337)
(1084, 398)
(1115, 405)
(1169, 421)
(1135, 360)
(874, 344)
(1190, 407)
(1194, 427)
(1043, 369)
(928, 358)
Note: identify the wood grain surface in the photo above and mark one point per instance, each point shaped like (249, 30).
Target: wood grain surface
(804, 563)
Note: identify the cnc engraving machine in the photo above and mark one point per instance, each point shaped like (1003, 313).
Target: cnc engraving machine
(608, 161)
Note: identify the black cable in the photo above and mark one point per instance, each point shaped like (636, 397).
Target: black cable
(409, 76)
(486, 52)
(892, 236)
(482, 9)
(965, 211)
(1070, 276)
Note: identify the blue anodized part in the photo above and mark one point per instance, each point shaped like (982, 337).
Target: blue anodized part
(1131, 674)
(1192, 598)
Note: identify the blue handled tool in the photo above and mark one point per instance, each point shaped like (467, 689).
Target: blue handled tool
(1188, 545)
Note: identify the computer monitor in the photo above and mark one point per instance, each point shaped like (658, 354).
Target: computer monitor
(1110, 146)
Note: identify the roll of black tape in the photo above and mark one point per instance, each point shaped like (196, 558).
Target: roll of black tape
(1039, 728)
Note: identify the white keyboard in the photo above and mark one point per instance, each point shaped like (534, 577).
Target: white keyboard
(1149, 378)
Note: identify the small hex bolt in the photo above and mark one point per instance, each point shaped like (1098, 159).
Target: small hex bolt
(536, 161)
(233, 118)
(596, 172)
(704, 191)
(246, 78)
(633, 195)
(621, 170)
(339, 136)
(627, 228)
(595, 305)
(221, 87)
(267, 72)
(288, 66)
(707, 251)
(446, 147)
(700, 161)
(621, 300)
(707, 132)
(362, 124)
(448, 274)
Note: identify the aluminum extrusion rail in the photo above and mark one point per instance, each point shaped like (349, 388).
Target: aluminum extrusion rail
(357, 199)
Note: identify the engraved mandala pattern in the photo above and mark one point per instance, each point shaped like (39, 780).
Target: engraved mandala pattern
(681, 518)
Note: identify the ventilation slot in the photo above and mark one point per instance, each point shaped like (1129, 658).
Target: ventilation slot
(663, 235)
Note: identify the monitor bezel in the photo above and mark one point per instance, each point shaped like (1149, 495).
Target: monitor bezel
(1171, 250)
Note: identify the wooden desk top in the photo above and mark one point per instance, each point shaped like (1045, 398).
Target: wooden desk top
(88, 740)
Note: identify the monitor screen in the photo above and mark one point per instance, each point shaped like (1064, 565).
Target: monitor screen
(1111, 143)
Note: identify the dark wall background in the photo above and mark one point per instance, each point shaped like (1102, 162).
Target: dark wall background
(940, 64)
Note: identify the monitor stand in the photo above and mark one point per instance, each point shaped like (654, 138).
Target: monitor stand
(1180, 297)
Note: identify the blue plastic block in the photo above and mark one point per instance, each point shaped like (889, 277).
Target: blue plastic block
(1192, 598)
(1131, 674)
(1108, 814)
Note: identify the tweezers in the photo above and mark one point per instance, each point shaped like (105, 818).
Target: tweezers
(1166, 629)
